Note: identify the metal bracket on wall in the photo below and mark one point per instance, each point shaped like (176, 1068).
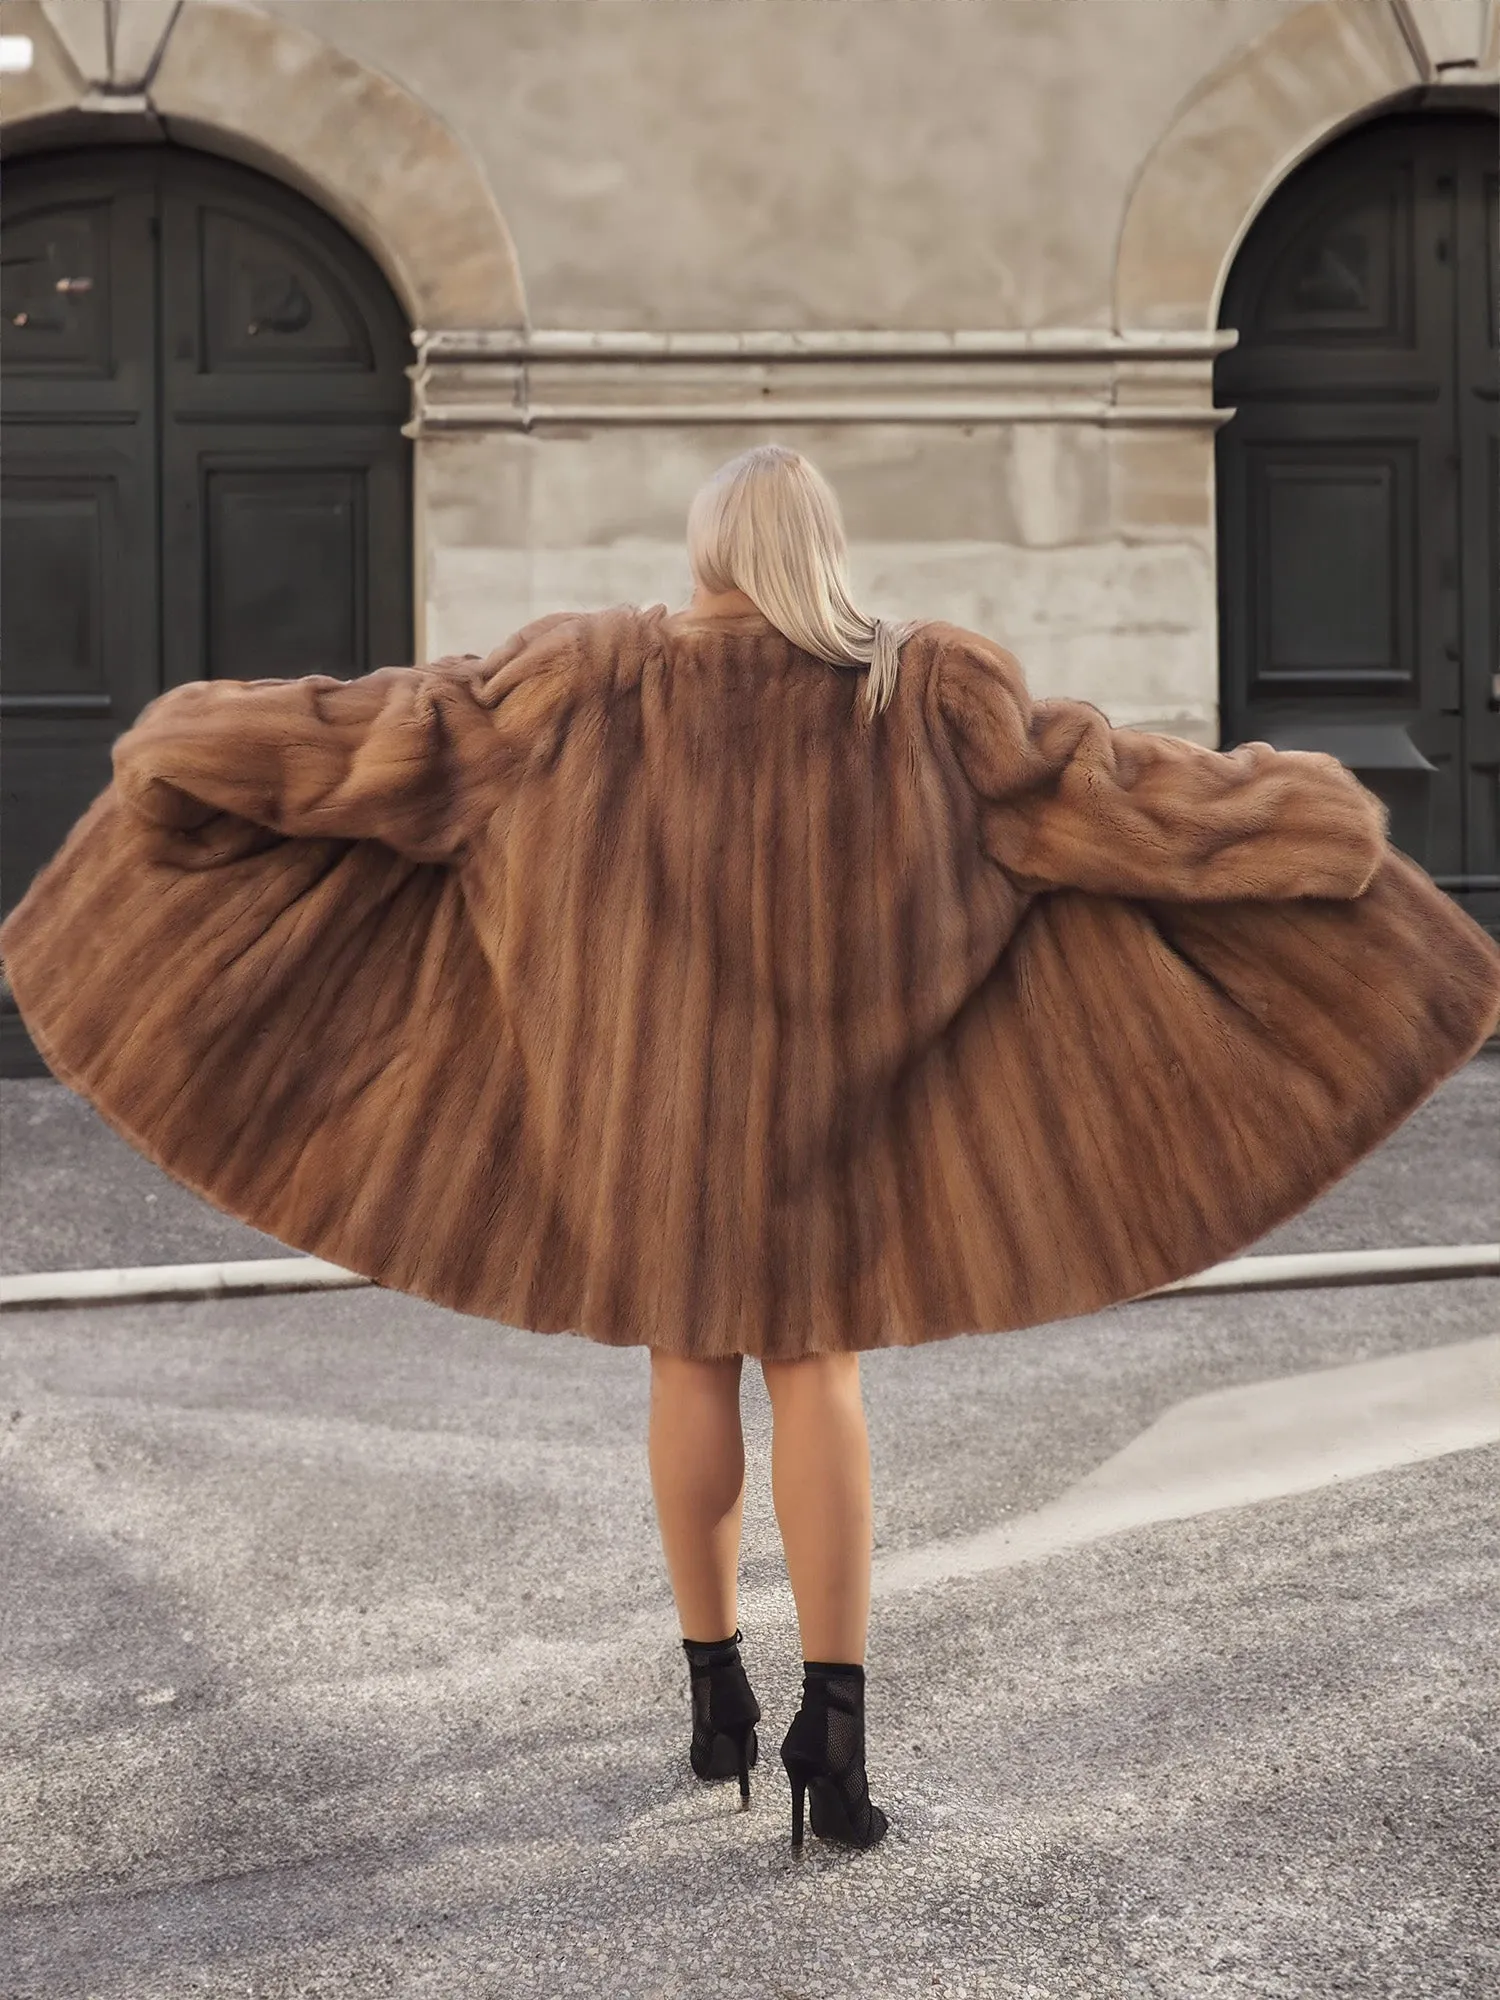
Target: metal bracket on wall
(1367, 746)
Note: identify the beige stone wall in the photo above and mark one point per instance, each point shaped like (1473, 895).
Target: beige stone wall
(737, 165)
(819, 163)
(1088, 551)
(600, 213)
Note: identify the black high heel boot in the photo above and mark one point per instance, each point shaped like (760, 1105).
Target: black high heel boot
(825, 1749)
(725, 1713)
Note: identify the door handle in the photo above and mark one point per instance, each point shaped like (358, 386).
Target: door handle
(74, 285)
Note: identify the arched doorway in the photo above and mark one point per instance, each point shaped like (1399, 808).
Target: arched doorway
(204, 474)
(1358, 482)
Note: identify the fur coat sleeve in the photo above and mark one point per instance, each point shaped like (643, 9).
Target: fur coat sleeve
(1070, 802)
(411, 757)
(625, 982)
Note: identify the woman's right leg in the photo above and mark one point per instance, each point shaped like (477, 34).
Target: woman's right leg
(820, 1485)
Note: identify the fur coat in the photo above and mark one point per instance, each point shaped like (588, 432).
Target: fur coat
(629, 982)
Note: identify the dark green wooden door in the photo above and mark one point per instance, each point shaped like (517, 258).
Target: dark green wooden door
(203, 470)
(1357, 483)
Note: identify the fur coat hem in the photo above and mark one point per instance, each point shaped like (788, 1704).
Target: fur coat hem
(626, 983)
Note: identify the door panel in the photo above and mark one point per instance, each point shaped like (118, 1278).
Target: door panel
(1356, 482)
(79, 309)
(203, 470)
(287, 528)
(76, 613)
(266, 304)
(78, 503)
(60, 533)
(1333, 599)
(1345, 282)
(269, 311)
(284, 575)
(283, 552)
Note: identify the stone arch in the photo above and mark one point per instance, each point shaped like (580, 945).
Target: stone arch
(261, 90)
(1237, 138)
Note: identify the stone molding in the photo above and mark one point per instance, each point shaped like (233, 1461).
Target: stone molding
(260, 89)
(1239, 135)
(469, 380)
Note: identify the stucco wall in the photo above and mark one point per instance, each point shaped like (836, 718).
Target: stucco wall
(791, 163)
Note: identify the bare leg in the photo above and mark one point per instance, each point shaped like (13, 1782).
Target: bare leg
(697, 1453)
(820, 1482)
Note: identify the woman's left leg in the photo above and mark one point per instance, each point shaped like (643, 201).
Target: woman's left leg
(697, 1453)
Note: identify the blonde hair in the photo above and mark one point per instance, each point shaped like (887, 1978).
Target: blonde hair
(768, 523)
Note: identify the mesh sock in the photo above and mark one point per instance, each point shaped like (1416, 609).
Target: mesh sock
(712, 1652)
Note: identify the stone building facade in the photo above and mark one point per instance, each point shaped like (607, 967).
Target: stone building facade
(970, 255)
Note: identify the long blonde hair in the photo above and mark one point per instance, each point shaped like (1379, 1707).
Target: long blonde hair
(768, 523)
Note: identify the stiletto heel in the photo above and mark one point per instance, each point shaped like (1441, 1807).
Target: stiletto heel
(824, 1753)
(725, 1713)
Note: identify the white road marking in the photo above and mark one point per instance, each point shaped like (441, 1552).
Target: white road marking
(1238, 1446)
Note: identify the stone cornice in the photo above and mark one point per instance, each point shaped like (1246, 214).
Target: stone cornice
(527, 380)
(836, 344)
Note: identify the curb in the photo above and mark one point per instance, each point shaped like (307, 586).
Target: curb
(136, 1284)
(261, 1276)
(1340, 1267)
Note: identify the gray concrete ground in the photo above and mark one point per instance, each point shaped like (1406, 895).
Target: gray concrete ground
(338, 1655)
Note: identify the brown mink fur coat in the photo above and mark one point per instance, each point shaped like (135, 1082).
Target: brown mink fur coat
(629, 982)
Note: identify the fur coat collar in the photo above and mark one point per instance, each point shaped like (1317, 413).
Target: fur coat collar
(629, 982)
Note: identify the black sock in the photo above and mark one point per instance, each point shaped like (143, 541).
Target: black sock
(708, 1652)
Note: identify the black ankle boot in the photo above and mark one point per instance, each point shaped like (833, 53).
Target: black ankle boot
(725, 1712)
(825, 1749)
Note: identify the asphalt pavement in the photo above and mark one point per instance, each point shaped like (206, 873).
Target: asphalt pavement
(337, 1655)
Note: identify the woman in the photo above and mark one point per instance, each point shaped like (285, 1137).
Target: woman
(751, 979)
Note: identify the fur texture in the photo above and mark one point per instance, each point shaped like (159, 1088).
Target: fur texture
(625, 983)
